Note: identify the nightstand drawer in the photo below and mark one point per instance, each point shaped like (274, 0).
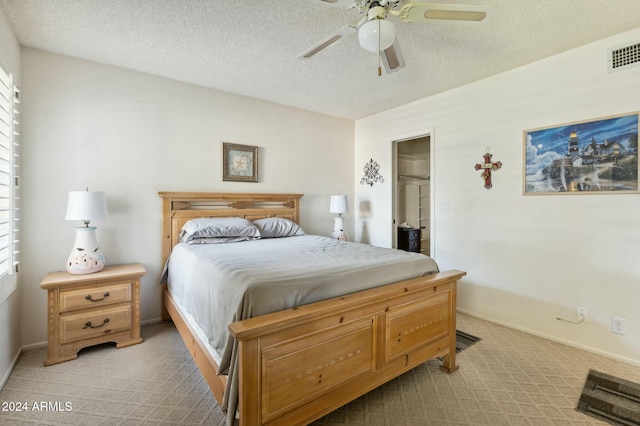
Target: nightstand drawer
(95, 296)
(97, 323)
(413, 245)
(414, 234)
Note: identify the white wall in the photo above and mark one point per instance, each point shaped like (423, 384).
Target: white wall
(132, 135)
(9, 308)
(529, 259)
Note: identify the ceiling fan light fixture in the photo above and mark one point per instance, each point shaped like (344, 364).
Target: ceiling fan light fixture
(376, 35)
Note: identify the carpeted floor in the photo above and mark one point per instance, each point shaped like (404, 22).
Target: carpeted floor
(507, 378)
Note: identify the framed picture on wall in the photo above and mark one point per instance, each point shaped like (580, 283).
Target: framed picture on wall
(593, 156)
(240, 163)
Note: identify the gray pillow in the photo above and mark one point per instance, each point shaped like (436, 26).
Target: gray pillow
(219, 227)
(276, 227)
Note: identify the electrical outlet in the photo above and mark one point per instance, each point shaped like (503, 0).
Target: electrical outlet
(583, 313)
(617, 325)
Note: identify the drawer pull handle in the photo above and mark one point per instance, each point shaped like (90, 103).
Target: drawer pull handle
(88, 324)
(91, 299)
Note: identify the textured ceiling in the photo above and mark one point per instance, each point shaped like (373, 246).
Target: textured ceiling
(249, 47)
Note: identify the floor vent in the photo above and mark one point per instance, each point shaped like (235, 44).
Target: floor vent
(624, 57)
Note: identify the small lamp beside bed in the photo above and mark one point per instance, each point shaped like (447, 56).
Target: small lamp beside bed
(86, 255)
(338, 206)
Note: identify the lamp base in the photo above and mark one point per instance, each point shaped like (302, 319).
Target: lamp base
(86, 256)
(339, 232)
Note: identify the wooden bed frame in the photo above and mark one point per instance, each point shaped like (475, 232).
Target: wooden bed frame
(300, 364)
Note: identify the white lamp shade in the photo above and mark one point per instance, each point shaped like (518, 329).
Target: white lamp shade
(338, 204)
(376, 35)
(86, 205)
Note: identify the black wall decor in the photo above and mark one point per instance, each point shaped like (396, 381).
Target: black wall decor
(371, 173)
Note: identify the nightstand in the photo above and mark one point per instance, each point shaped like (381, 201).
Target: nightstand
(89, 309)
(409, 239)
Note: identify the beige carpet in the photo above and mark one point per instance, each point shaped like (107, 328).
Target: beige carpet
(508, 378)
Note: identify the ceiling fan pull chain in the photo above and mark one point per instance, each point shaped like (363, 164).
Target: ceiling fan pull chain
(379, 69)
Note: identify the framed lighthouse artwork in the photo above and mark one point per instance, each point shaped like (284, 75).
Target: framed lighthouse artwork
(593, 156)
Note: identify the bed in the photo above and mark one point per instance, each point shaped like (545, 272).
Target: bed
(297, 364)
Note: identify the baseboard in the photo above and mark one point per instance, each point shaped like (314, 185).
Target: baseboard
(10, 369)
(151, 321)
(552, 338)
(36, 345)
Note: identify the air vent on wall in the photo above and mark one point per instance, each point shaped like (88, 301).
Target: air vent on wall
(623, 57)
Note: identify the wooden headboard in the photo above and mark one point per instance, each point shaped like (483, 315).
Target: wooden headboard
(178, 207)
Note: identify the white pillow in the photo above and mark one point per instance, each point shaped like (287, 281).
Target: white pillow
(276, 227)
(220, 227)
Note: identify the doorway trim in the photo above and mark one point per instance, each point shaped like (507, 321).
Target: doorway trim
(430, 133)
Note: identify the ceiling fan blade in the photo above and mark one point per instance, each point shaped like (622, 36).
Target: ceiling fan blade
(442, 13)
(330, 40)
(341, 3)
(392, 58)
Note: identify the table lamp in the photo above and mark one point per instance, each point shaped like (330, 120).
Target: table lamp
(339, 205)
(86, 255)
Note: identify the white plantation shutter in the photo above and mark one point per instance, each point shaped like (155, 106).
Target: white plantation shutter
(9, 180)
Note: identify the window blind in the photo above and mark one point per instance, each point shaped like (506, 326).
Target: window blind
(9, 177)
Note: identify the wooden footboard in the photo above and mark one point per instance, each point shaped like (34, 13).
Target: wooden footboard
(299, 364)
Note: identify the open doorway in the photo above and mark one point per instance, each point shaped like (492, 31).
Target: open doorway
(412, 195)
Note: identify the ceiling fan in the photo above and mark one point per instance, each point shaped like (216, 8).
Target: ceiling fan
(377, 34)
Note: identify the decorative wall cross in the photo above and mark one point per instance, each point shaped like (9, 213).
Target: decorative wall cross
(487, 167)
